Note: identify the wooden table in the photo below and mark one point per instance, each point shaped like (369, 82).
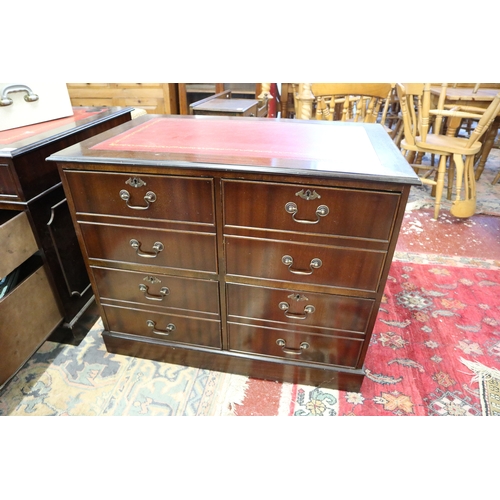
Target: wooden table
(481, 99)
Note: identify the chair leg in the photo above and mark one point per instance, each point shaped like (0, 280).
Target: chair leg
(497, 178)
(459, 162)
(451, 176)
(488, 142)
(466, 206)
(439, 184)
(398, 133)
(470, 178)
(409, 155)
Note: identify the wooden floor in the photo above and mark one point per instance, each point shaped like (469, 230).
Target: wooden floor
(475, 237)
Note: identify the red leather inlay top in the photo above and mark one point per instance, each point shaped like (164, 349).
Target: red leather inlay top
(21, 133)
(225, 137)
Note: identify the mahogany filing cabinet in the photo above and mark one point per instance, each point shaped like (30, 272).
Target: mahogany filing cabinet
(51, 289)
(255, 246)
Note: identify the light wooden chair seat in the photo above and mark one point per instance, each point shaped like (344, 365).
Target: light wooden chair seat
(437, 144)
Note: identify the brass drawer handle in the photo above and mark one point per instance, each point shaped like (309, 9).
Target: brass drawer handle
(321, 211)
(164, 291)
(149, 198)
(157, 247)
(284, 306)
(314, 264)
(170, 328)
(290, 350)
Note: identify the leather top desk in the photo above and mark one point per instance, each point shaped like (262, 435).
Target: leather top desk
(38, 240)
(259, 247)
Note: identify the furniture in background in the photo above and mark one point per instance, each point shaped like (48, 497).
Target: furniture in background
(223, 104)
(254, 246)
(288, 99)
(418, 140)
(476, 99)
(193, 92)
(156, 98)
(40, 256)
(164, 98)
(355, 102)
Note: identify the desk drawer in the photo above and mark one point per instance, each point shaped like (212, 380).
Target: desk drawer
(178, 199)
(299, 309)
(322, 210)
(173, 249)
(158, 290)
(29, 313)
(320, 265)
(17, 240)
(294, 346)
(169, 327)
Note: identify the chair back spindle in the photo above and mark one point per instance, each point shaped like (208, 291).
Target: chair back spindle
(353, 102)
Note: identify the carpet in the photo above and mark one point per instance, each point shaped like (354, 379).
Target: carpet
(66, 380)
(489, 387)
(432, 316)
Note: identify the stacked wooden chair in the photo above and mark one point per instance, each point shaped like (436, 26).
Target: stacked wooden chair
(355, 102)
(415, 102)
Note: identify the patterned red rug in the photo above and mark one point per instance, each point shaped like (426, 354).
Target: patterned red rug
(435, 351)
(432, 318)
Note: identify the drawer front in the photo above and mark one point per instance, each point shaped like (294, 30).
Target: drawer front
(18, 241)
(294, 262)
(297, 309)
(173, 249)
(158, 290)
(29, 314)
(294, 346)
(169, 327)
(167, 198)
(330, 211)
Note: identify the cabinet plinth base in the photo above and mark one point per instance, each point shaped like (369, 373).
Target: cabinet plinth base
(75, 331)
(231, 362)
